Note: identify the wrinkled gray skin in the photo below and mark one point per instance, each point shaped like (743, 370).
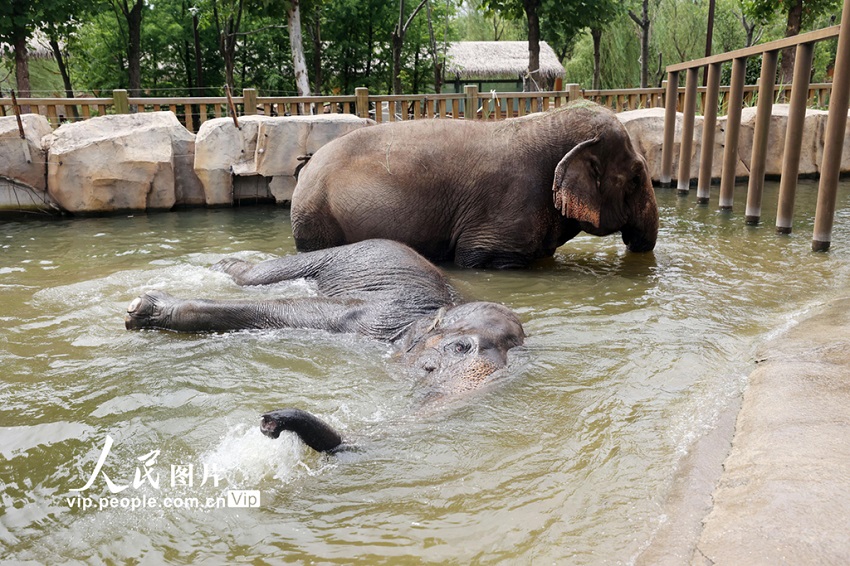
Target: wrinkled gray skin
(377, 288)
(481, 194)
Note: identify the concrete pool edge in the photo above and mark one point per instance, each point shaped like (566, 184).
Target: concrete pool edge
(782, 495)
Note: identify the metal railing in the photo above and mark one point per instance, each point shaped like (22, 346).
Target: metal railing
(800, 94)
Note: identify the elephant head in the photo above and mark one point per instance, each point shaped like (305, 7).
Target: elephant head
(462, 347)
(455, 352)
(604, 184)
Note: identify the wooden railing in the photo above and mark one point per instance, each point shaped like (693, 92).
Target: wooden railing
(194, 111)
(801, 93)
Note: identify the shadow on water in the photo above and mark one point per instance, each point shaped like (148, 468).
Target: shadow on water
(630, 358)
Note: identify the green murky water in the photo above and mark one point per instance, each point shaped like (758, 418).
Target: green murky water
(628, 360)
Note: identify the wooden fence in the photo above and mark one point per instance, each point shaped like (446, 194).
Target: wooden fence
(801, 94)
(193, 111)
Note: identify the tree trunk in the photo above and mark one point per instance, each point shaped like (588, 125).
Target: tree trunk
(750, 30)
(792, 27)
(531, 7)
(316, 35)
(644, 24)
(370, 46)
(228, 48)
(435, 57)
(22, 68)
(398, 40)
(296, 44)
(134, 47)
(644, 47)
(227, 35)
(187, 64)
(63, 70)
(596, 34)
(709, 35)
(199, 68)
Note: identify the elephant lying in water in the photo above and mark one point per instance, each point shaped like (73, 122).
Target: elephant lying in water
(377, 288)
(481, 194)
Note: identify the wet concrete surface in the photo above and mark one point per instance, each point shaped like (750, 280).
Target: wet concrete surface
(775, 487)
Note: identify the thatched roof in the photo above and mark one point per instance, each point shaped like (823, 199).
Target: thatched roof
(499, 60)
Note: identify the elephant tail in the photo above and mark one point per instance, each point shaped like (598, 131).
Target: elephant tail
(312, 431)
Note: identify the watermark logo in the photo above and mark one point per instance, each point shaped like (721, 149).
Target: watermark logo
(181, 476)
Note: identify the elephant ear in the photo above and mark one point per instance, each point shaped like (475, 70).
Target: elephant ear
(576, 186)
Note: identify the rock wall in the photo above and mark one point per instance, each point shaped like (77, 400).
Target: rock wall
(23, 182)
(150, 161)
(262, 145)
(646, 128)
(121, 162)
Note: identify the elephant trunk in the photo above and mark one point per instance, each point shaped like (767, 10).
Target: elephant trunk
(312, 431)
(641, 232)
(639, 240)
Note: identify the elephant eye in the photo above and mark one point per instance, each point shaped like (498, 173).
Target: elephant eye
(459, 346)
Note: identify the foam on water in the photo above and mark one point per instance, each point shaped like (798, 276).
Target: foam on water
(246, 457)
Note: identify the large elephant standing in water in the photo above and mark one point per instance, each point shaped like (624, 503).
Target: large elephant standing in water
(481, 194)
(377, 288)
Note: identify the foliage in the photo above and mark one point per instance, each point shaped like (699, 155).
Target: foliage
(620, 52)
(812, 10)
(44, 76)
(476, 24)
(355, 46)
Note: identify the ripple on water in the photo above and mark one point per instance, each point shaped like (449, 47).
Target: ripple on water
(629, 359)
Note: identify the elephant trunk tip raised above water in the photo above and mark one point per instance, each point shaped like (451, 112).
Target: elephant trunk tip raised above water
(379, 289)
(481, 194)
(312, 431)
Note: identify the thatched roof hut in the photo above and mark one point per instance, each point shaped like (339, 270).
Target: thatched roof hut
(498, 61)
(38, 47)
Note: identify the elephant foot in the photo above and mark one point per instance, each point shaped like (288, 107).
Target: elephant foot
(149, 310)
(234, 267)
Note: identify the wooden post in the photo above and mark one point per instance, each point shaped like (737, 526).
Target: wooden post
(762, 129)
(574, 92)
(733, 129)
(362, 101)
(120, 101)
(249, 101)
(470, 106)
(187, 112)
(670, 106)
(794, 138)
(833, 142)
(706, 160)
(687, 143)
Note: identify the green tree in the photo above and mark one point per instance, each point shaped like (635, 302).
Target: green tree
(132, 12)
(798, 14)
(476, 24)
(227, 16)
(560, 19)
(19, 20)
(603, 13)
(403, 23)
(355, 33)
(294, 10)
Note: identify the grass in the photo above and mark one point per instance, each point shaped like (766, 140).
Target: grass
(45, 80)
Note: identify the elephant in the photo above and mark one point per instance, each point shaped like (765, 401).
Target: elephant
(481, 194)
(380, 289)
